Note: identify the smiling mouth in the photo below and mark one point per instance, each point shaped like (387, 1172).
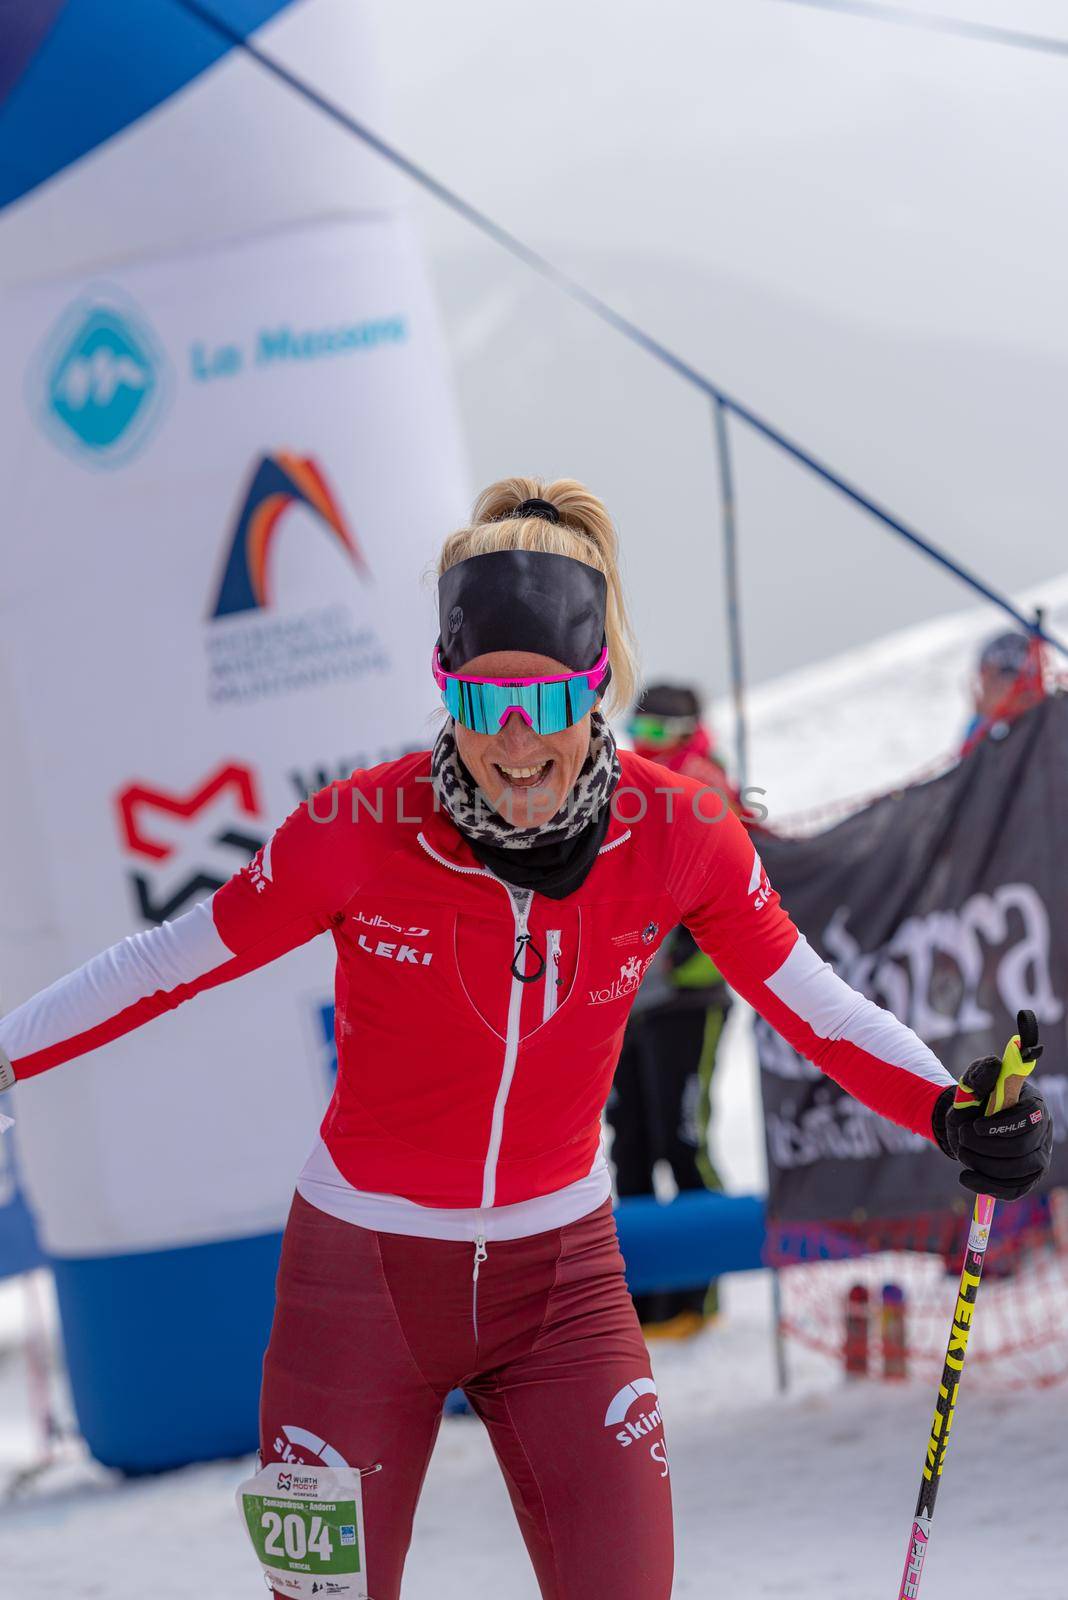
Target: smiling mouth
(523, 777)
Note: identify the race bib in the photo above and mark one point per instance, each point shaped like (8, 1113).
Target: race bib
(306, 1527)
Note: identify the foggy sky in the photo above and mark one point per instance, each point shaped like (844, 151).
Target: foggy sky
(859, 230)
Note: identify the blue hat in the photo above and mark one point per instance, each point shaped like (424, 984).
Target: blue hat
(1008, 653)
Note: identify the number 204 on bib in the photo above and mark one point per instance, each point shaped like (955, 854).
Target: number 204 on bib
(306, 1527)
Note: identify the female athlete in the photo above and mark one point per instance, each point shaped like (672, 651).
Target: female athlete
(494, 904)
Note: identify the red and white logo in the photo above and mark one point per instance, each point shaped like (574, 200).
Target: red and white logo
(396, 950)
(185, 845)
(637, 1408)
(305, 1449)
(759, 884)
(378, 921)
(631, 973)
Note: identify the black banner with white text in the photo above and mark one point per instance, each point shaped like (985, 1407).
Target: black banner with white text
(947, 903)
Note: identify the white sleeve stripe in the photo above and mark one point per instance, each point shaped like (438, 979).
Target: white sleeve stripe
(815, 993)
(160, 958)
(756, 874)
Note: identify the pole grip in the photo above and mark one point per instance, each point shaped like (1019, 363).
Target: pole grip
(1017, 1063)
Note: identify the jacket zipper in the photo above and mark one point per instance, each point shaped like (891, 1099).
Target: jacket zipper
(521, 901)
(552, 973)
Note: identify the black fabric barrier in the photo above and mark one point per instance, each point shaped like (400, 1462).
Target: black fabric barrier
(946, 902)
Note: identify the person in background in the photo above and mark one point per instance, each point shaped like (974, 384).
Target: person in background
(660, 1105)
(666, 727)
(1009, 680)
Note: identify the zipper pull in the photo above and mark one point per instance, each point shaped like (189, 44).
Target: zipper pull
(480, 1255)
(522, 900)
(526, 941)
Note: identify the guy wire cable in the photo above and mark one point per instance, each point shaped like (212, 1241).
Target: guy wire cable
(932, 22)
(601, 309)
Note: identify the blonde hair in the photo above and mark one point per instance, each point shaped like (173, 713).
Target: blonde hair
(585, 532)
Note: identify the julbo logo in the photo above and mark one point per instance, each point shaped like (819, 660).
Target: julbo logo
(378, 921)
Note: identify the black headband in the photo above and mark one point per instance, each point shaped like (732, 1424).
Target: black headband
(522, 600)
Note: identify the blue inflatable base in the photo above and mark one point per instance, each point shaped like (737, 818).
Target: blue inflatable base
(19, 1250)
(164, 1350)
(690, 1240)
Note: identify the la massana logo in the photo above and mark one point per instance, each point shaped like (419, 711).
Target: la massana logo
(101, 382)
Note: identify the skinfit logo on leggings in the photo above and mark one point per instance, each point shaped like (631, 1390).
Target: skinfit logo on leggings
(639, 1426)
(301, 1446)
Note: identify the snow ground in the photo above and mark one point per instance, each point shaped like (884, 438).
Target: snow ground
(807, 1496)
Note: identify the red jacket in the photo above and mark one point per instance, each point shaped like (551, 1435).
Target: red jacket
(478, 1027)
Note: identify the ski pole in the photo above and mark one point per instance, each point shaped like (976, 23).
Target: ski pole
(1021, 1053)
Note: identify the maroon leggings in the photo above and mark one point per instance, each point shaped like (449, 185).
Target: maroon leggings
(372, 1330)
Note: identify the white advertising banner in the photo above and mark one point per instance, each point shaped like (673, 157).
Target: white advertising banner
(225, 477)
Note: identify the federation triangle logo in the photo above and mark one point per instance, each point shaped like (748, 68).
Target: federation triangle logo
(279, 481)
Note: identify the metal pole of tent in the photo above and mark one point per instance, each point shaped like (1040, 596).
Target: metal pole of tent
(734, 615)
(741, 735)
(1040, 625)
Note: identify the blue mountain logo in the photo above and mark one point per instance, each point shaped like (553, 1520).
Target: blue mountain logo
(104, 378)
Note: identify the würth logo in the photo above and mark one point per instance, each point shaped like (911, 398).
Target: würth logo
(175, 838)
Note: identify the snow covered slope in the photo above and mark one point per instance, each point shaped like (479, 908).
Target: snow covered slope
(808, 1497)
(862, 721)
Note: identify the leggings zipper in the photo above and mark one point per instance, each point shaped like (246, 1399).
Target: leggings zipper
(480, 1256)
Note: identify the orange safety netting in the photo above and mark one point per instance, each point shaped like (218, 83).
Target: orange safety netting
(1019, 1333)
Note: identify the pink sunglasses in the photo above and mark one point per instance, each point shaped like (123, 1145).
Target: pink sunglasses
(548, 705)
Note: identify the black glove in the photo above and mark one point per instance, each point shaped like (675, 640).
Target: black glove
(1004, 1155)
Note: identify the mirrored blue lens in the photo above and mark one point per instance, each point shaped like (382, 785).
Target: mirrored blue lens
(550, 707)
